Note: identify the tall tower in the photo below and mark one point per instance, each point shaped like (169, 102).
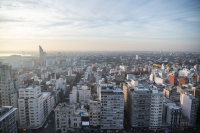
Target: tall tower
(42, 53)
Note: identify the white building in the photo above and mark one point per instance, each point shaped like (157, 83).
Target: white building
(189, 105)
(84, 94)
(159, 80)
(15, 65)
(61, 84)
(8, 119)
(73, 95)
(155, 121)
(185, 73)
(34, 107)
(136, 57)
(50, 62)
(28, 64)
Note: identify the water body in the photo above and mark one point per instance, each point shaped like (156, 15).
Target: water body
(11, 54)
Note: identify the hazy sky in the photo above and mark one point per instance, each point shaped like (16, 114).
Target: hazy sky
(168, 25)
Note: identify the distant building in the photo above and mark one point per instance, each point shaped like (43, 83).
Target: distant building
(42, 53)
(137, 57)
(182, 80)
(73, 95)
(173, 78)
(84, 94)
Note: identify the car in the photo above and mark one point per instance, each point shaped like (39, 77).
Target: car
(46, 126)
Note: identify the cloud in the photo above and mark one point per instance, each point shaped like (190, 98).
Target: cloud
(154, 20)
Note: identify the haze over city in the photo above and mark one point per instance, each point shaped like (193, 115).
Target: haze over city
(91, 66)
(100, 25)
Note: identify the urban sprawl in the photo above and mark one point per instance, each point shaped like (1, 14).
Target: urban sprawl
(65, 92)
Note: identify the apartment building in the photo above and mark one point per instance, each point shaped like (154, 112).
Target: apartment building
(112, 108)
(139, 101)
(94, 112)
(64, 117)
(8, 94)
(156, 110)
(73, 95)
(189, 105)
(84, 94)
(34, 107)
(8, 119)
(172, 114)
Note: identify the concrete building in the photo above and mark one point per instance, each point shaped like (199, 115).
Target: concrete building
(50, 62)
(34, 107)
(73, 95)
(84, 94)
(197, 95)
(70, 118)
(189, 105)
(94, 112)
(171, 93)
(137, 105)
(8, 119)
(8, 94)
(64, 117)
(156, 110)
(172, 114)
(15, 65)
(28, 64)
(112, 108)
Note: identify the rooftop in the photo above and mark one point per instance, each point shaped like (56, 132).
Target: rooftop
(30, 87)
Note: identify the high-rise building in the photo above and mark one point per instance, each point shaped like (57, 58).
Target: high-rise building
(138, 103)
(143, 106)
(34, 107)
(42, 53)
(8, 93)
(112, 108)
(95, 110)
(189, 105)
(8, 119)
(156, 110)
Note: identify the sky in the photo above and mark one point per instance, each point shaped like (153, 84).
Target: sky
(100, 25)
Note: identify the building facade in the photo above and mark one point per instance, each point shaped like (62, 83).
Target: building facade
(34, 107)
(112, 108)
(8, 119)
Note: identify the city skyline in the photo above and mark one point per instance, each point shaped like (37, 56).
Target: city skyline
(100, 25)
